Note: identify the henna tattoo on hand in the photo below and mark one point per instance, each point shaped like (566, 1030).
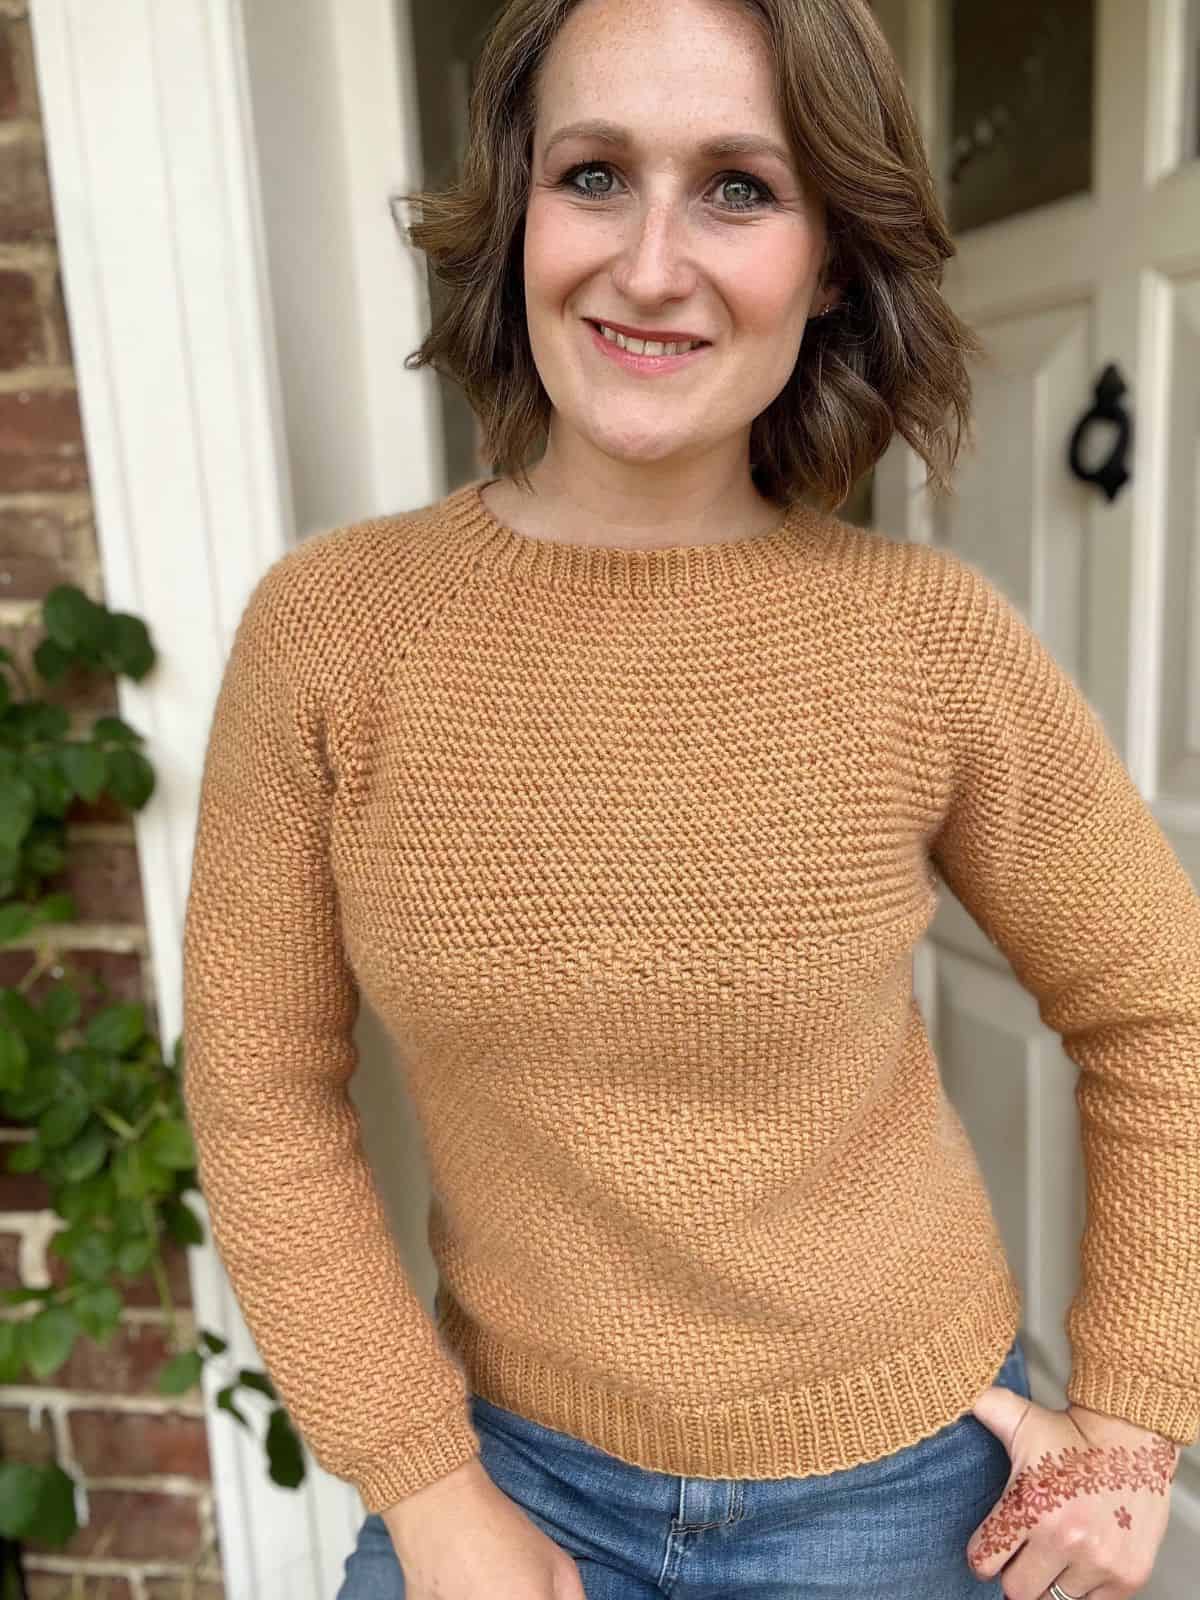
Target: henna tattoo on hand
(1074, 1471)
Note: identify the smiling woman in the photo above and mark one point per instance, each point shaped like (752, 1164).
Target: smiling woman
(621, 785)
(765, 189)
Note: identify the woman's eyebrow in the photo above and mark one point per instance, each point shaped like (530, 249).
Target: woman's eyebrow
(715, 149)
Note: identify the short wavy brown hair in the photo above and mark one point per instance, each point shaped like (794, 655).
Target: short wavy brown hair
(892, 358)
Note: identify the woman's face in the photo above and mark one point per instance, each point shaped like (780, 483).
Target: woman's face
(648, 230)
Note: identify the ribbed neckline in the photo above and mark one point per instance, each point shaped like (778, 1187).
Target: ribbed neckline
(516, 557)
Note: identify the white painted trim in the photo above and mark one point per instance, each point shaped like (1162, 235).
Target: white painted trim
(377, 74)
(177, 323)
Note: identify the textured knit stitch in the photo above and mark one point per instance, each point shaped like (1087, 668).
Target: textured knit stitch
(630, 850)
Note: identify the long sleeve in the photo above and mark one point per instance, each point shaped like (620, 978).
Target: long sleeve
(1046, 840)
(269, 1007)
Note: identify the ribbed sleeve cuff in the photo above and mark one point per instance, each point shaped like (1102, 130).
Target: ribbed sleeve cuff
(1146, 1402)
(421, 1460)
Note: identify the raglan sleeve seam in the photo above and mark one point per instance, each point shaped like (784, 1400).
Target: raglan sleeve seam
(941, 786)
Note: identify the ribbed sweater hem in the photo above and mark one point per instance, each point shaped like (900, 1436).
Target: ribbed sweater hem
(859, 1416)
(1147, 1402)
(420, 1461)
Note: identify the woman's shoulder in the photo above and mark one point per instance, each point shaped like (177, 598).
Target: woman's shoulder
(356, 571)
(905, 575)
(333, 612)
(353, 553)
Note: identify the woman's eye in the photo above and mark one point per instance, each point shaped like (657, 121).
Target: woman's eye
(748, 182)
(743, 179)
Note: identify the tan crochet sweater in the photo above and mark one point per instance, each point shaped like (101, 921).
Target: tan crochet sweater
(630, 850)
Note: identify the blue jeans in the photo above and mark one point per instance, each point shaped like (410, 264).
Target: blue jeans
(897, 1527)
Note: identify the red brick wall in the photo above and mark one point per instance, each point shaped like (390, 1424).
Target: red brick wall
(146, 1509)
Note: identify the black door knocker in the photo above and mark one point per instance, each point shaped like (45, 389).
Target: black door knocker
(1110, 475)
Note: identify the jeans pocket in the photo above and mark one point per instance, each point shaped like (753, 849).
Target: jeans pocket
(1014, 1374)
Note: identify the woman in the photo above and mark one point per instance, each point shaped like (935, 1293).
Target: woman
(618, 786)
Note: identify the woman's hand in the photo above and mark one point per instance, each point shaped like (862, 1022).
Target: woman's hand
(462, 1536)
(1086, 1503)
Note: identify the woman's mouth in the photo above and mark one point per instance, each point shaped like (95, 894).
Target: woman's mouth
(638, 360)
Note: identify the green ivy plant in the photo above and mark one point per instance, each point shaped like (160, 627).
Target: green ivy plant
(109, 1130)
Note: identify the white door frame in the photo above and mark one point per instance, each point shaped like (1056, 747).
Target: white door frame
(186, 305)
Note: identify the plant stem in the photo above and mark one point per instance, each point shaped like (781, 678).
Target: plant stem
(160, 1276)
(43, 960)
(116, 1122)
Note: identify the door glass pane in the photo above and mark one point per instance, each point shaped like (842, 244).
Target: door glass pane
(1020, 106)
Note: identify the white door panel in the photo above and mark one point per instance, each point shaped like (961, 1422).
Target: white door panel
(1108, 272)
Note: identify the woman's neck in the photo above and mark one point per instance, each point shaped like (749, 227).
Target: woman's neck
(545, 513)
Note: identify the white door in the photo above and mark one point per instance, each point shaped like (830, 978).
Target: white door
(1065, 136)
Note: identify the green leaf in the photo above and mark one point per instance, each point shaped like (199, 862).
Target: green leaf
(117, 1028)
(51, 660)
(27, 1103)
(138, 1175)
(20, 1491)
(85, 1155)
(48, 721)
(130, 777)
(135, 1255)
(51, 1335)
(26, 1156)
(90, 1196)
(60, 1006)
(161, 1182)
(99, 1311)
(12, 1351)
(18, 804)
(57, 907)
(54, 793)
(16, 1012)
(73, 620)
(12, 1344)
(129, 649)
(85, 768)
(61, 1122)
(181, 1372)
(115, 731)
(21, 1297)
(102, 1076)
(257, 1381)
(129, 1216)
(283, 1451)
(45, 855)
(16, 919)
(54, 1521)
(225, 1402)
(182, 1223)
(14, 1059)
(18, 722)
(89, 1250)
(10, 867)
(169, 1142)
(214, 1341)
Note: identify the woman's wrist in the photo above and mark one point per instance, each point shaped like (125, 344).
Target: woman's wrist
(416, 1509)
(1107, 1429)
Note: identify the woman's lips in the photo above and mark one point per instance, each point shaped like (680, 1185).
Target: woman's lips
(647, 365)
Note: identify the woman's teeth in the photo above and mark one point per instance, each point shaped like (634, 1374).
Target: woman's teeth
(648, 347)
